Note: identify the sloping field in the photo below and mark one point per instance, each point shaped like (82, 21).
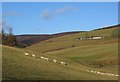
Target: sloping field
(81, 56)
(69, 41)
(104, 53)
(17, 66)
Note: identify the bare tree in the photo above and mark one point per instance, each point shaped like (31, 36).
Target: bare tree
(10, 30)
(8, 37)
(6, 29)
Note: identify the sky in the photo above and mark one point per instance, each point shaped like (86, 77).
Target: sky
(56, 17)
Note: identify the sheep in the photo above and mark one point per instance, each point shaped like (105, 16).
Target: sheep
(98, 72)
(63, 63)
(95, 71)
(91, 71)
(26, 54)
(42, 57)
(55, 60)
(116, 75)
(112, 74)
(33, 55)
(102, 73)
(87, 70)
(46, 59)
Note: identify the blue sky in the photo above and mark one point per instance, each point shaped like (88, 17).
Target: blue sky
(55, 17)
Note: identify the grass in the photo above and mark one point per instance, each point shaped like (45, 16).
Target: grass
(17, 66)
(80, 55)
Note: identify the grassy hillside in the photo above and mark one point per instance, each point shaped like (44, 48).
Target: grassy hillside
(17, 66)
(81, 55)
(70, 41)
(90, 53)
(29, 39)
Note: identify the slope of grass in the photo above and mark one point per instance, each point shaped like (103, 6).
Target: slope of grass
(17, 66)
(70, 40)
(106, 55)
(80, 55)
(88, 53)
(105, 33)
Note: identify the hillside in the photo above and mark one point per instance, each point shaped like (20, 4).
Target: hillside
(90, 53)
(109, 27)
(83, 57)
(70, 41)
(17, 66)
(29, 39)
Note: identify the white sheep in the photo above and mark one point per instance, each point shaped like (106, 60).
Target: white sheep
(63, 63)
(102, 73)
(98, 72)
(95, 71)
(46, 59)
(113, 74)
(33, 55)
(91, 71)
(42, 57)
(116, 75)
(26, 54)
(55, 60)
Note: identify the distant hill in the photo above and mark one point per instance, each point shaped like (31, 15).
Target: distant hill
(29, 39)
(109, 27)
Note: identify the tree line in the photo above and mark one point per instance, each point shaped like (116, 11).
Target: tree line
(8, 37)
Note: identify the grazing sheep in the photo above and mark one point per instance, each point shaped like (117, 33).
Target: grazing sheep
(98, 72)
(87, 70)
(102, 73)
(33, 55)
(26, 54)
(116, 75)
(63, 63)
(42, 57)
(91, 71)
(112, 74)
(46, 59)
(55, 60)
(95, 71)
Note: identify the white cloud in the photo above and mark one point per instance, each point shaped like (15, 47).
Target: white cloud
(47, 14)
(64, 9)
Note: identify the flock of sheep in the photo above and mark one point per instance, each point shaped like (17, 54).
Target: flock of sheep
(47, 59)
(64, 63)
(101, 73)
